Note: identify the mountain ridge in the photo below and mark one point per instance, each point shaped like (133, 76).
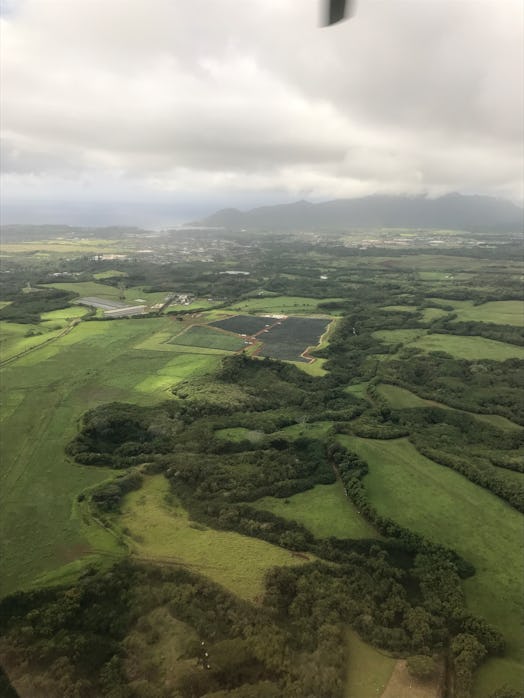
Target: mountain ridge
(451, 211)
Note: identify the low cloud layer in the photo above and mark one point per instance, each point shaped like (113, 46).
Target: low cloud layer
(239, 102)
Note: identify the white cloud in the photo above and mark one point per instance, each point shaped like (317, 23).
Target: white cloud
(222, 98)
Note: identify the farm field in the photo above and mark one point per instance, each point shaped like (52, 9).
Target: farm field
(442, 505)
(402, 398)
(428, 314)
(13, 339)
(472, 348)
(324, 510)
(160, 529)
(92, 288)
(48, 390)
(284, 305)
(209, 338)
(498, 312)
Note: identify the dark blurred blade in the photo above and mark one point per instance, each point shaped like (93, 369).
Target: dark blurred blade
(336, 11)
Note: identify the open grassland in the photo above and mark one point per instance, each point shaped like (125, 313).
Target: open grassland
(57, 246)
(428, 314)
(442, 505)
(47, 391)
(132, 294)
(209, 338)
(159, 528)
(324, 510)
(14, 339)
(109, 274)
(472, 348)
(368, 669)
(281, 305)
(499, 312)
(402, 398)
(87, 288)
(237, 434)
(313, 368)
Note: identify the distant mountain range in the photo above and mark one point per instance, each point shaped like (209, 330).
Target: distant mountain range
(453, 211)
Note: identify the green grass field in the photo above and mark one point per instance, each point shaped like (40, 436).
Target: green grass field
(368, 669)
(13, 340)
(472, 348)
(159, 528)
(442, 505)
(208, 338)
(109, 274)
(92, 288)
(47, 391)
(239, 434)
(324, 510)
(284, 305)
(498, 312)
(402, 398)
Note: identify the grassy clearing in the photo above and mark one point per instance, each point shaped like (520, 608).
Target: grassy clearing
(401, 308)
(315, 368)
(109, 274)
(430, 314)
(87, 288)
(324, 510)
(159, 528)
(70, 313)
(358, 389)
(402, 398)
(239, 434)
(47, 392)
(499, 312)
(472, 348)
(92, 288)
(444, 506)
(61, 246)
(368, 669)
(285, 305)
(398, 336)
(208, 338)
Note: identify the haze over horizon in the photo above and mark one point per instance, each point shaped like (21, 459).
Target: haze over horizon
(137, 114)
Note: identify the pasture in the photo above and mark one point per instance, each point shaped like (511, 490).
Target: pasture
(471, 348)
(16, 338)
(92, 288)
(209, 338)
(158, 528)
(499, 312)
(442, 505)
(47, 392)
(281, 305)
(324, 510)
(402, 398)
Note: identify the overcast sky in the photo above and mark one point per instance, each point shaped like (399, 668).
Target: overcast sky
(156, 111)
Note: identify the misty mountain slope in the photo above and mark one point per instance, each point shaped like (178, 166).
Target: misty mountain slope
(453, 211)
